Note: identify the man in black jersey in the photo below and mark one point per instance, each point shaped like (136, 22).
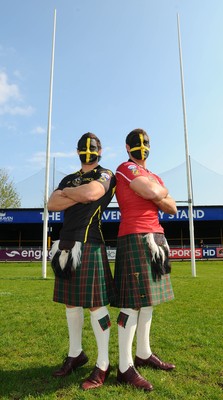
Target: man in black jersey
(82, 274)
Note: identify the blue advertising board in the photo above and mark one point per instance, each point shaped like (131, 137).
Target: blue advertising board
(25, 216)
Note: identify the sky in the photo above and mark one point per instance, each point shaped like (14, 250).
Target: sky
(116, 68)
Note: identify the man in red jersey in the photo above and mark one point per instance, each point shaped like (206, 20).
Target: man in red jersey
(142, 264)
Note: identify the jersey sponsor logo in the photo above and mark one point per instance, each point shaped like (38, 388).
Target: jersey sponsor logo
(109, 173)
(104, 177)
(133, 169)
(76, 182)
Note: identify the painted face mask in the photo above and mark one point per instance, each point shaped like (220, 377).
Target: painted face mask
(139, 146)
(88, 151)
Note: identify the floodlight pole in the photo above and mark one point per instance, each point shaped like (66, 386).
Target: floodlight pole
(189, 180)
(46, 193)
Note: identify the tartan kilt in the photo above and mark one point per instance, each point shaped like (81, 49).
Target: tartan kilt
(135, 286)
(91, 284)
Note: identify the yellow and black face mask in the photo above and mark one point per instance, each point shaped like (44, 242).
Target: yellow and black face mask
(88, 150)
(139, 146)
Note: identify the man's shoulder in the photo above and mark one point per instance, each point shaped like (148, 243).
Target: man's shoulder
(68, 179)
(72, 174)
(126, 165)
(105, 170)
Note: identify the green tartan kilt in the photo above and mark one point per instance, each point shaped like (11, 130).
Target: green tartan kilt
(91, 284)
(135, 286)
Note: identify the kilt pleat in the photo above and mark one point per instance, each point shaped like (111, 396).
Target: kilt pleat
(135, 286)
(91, 284)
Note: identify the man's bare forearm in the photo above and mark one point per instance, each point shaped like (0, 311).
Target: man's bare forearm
(167, 205)
(58, 201)
(149, 189)
(85, 193)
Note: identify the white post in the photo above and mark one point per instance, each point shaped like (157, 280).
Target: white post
(189, 182)
(46, 194)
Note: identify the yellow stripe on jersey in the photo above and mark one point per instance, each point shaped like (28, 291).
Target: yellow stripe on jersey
(98, 210)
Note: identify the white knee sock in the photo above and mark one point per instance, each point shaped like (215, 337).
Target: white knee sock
(143, 349)
(127, 322)
(100, 322)
(75, 320)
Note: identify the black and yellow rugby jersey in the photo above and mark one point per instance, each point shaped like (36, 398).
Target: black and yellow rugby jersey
(82, 222)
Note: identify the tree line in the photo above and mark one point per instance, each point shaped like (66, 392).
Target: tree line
(9, 197)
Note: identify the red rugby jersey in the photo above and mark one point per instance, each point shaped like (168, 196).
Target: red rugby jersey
(138, 215)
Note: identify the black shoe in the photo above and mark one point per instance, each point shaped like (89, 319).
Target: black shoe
(153, 362)
(96, 378)
(70, 364)
(133, 378)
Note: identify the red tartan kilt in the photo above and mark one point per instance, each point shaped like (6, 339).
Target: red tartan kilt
(91, 284)
(133, 277)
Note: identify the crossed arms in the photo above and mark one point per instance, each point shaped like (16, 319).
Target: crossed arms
(150, 189)
(62, 199)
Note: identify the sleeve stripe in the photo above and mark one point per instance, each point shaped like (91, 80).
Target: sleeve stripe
(124, 176)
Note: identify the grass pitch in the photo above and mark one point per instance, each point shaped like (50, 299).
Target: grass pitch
(186, 331)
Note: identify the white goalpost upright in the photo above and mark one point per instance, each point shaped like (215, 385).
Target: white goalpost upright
(189, 179)
(47, 168)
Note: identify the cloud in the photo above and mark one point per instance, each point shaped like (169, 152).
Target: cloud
(8, 125)
(10, 96)
(7, 91)
(58, 154)
(16, 110)
(39, 130)
(40, 157)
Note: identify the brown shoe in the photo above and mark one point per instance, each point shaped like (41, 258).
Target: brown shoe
(133, 378)
(154, 362)
(70, 364)
(96, 378)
